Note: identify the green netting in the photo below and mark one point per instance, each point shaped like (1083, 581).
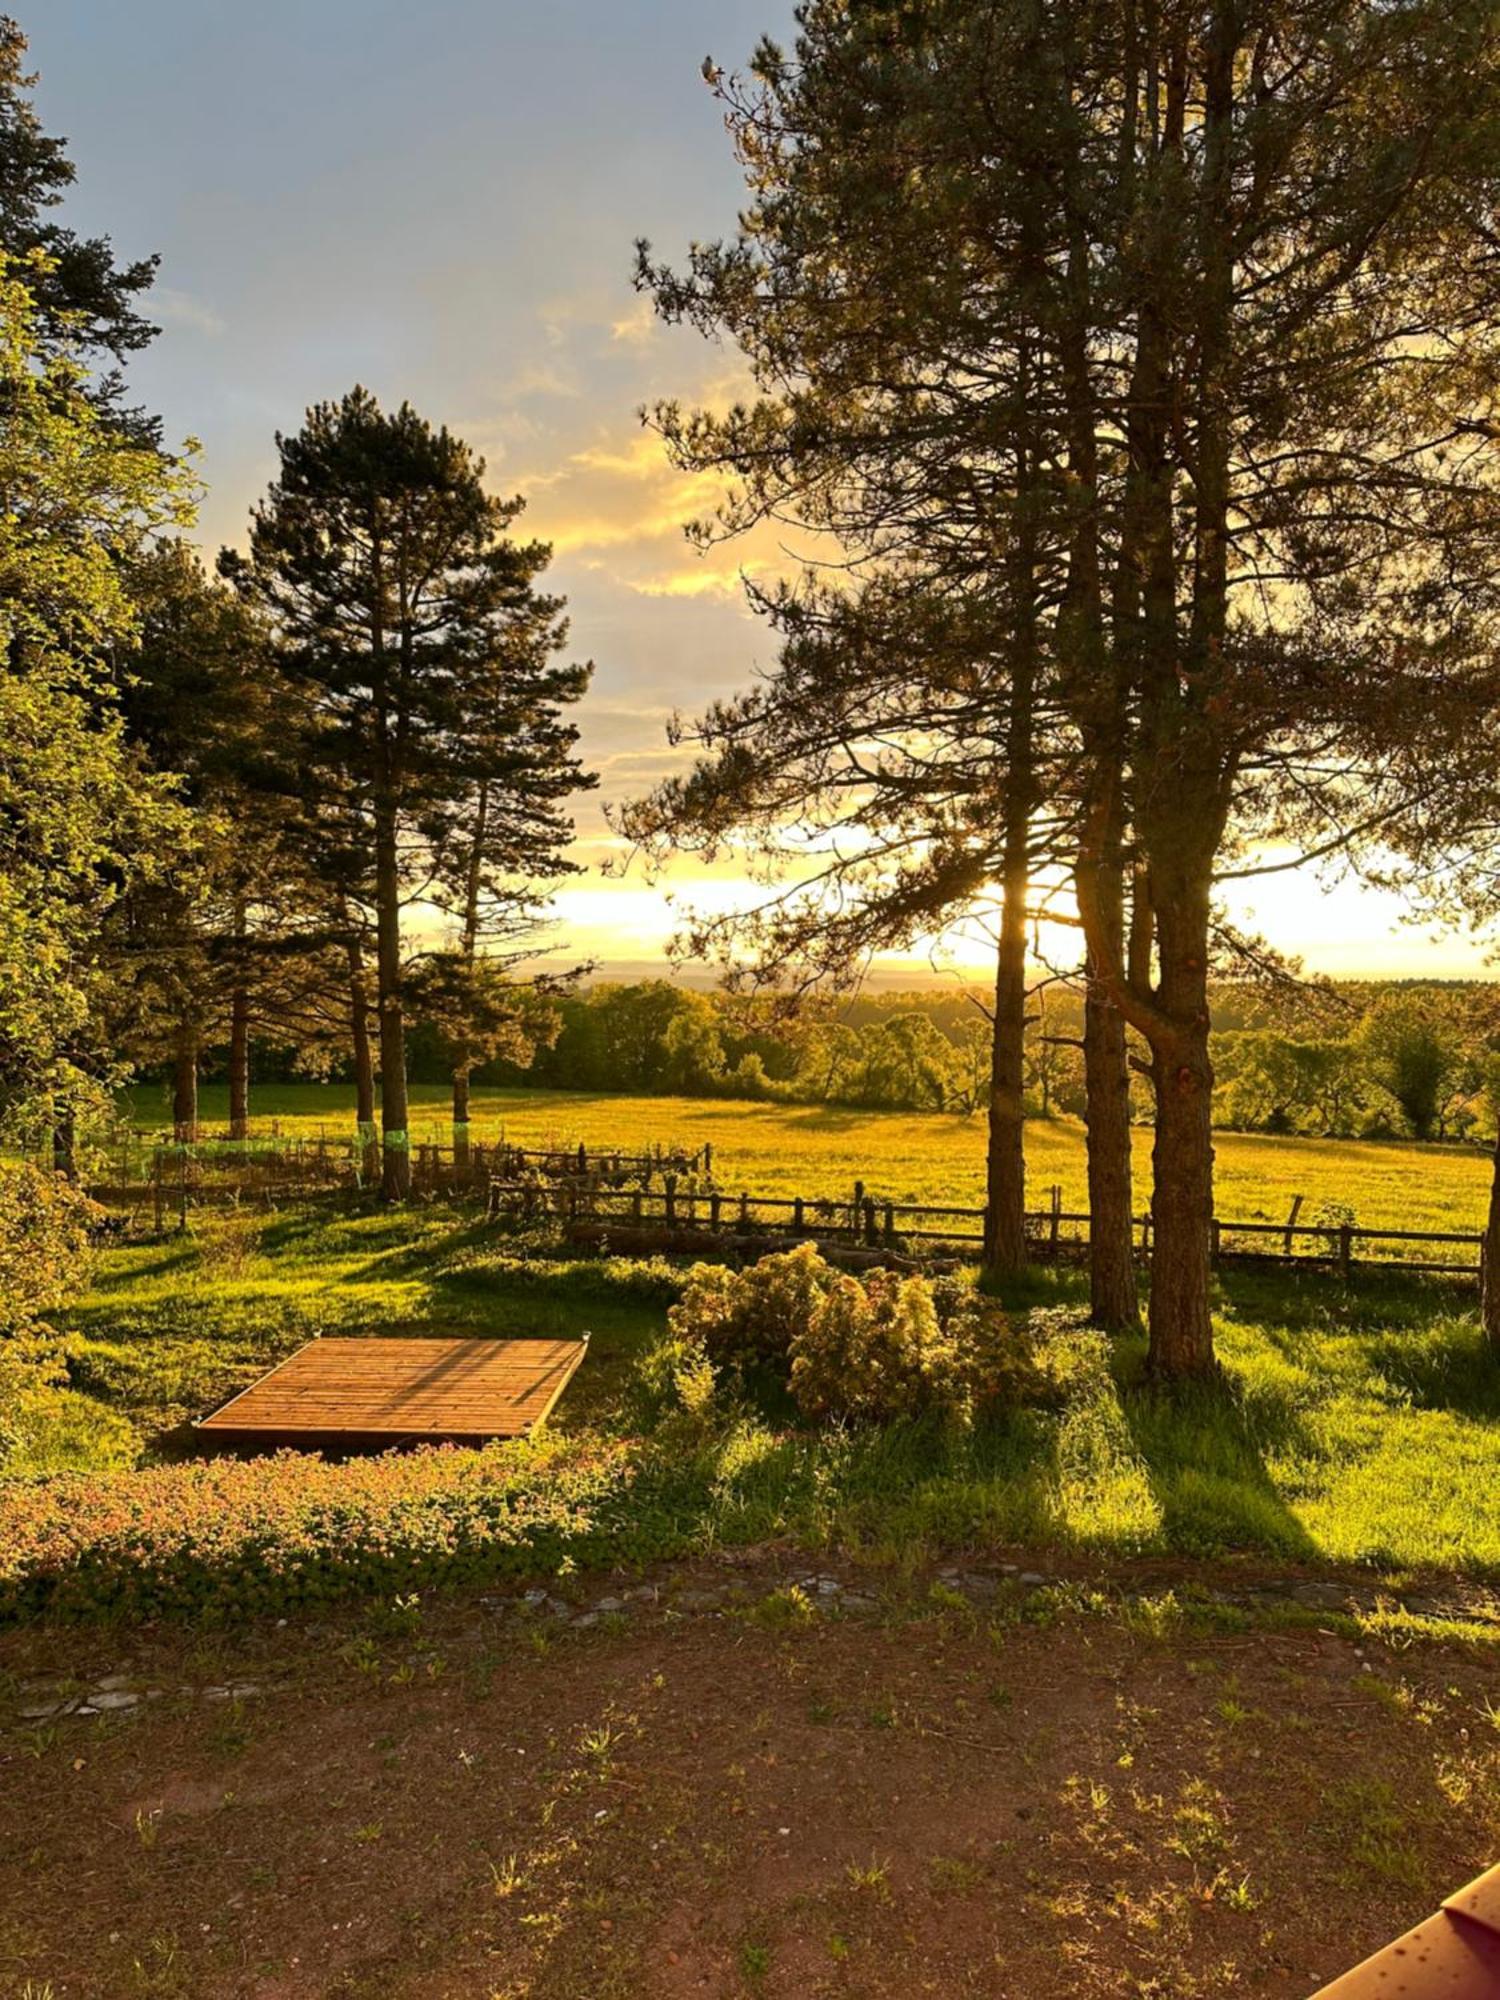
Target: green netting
(461, 1130)
(398, 1142)
(368, 1132)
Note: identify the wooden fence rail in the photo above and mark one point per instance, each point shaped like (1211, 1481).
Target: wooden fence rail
(1054, 1234)
(214, 1169)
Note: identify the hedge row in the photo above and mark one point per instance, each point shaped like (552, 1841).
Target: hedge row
(232, 1538)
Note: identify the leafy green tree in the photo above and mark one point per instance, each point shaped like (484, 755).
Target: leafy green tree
(1418, 1055)
(80, 815)
(44, 1225)
(907, 1065)
(406, 627)
(652, 1036)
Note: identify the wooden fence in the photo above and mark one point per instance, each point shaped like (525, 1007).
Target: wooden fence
(1055, 1234)
(169, 1178)
(670, 1189)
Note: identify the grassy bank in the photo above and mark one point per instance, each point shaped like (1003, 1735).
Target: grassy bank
(903, 1155)
(1354, 1425)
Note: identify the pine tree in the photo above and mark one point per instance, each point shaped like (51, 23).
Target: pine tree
(415, 652)
(1220, 275)
(85, 303)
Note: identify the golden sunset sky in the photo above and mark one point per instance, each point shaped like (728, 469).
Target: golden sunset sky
(441, 203)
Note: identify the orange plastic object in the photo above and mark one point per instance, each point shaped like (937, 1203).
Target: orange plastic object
(1451, 1955)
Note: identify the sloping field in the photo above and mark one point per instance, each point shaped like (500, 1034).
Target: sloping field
(907, 1155)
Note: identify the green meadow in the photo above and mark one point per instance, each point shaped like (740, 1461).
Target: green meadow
(1353, 1425)
(904, 1155)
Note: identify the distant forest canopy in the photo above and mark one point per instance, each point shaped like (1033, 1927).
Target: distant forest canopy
(1363, 1059)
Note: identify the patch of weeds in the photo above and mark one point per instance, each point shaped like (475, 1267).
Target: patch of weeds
(399, 1618)
(951, 1605)
(783, 1609)
(872, 1879)
(1159, 1617)
(1374, 1832)
(1233, 1895)
(362, 1654)
(600, 1743)
(952, 1875)
(508, 1877)
(754, 1960)
(1198, 1831)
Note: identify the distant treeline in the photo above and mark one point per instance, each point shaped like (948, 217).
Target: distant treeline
(1363, 1059)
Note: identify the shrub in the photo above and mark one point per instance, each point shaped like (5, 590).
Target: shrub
(866, 1349)
(747, 1319)
(229, 1538)
(44, 1228)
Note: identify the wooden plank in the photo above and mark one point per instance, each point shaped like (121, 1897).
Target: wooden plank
(403, 1388)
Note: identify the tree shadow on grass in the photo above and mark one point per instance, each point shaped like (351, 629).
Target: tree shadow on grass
(182, 1257)
(1390, 1336)
(1204, 1447)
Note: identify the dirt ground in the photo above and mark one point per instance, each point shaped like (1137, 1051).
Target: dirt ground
(700, 1796)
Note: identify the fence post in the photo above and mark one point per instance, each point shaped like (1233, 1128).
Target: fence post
(797, 1222)
(890, 1224)
(714, 1201)
(669, 1184)
(744, 1209)
(158, 1191)
(857, 1210)
(635, 1205)
(1055, 1222)
(872, 1235)
(708, 1156)
(1291, 1224)
(1346, 1249)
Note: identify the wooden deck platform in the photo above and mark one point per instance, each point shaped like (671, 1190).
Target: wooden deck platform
(352, 1395)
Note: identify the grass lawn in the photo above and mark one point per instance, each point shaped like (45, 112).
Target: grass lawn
(730, 1792)
(902, 1155)
(1356, 1425)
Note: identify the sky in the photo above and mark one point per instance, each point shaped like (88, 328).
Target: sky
(441, 202)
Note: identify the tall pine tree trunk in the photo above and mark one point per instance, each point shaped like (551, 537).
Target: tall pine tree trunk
(185, 1084)
(1184, 801)
(1182, 1158)
(470, 947)
(239, 1064)
(395, 1148)
(364, 1062)
(1005, 1176)
(1005, 1166)
(461, 1121)
(1113, 1304)
(1490, 1265)
(1100, 690)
